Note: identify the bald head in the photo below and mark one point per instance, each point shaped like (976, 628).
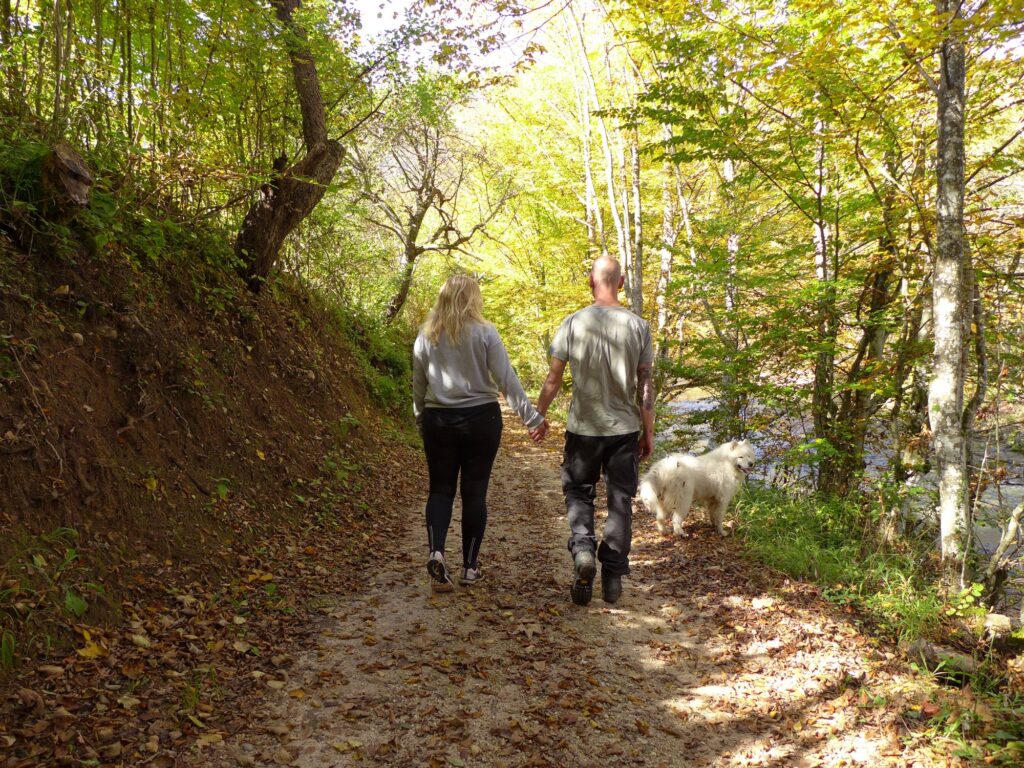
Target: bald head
(606, 273)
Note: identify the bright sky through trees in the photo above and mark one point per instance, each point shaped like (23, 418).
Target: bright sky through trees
(380, 16)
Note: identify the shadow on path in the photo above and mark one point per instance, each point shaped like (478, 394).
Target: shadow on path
(707, 660)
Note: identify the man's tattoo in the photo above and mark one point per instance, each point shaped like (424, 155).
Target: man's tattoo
(645, 379)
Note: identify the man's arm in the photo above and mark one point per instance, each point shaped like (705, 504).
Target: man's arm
(552, 384)
(645, 385)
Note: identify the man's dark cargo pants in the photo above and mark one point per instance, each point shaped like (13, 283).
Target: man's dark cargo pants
(584, 460)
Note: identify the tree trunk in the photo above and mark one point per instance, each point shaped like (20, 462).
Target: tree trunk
(411, 251)
(849, 430)
(15, 88)
(946, 389)
(402, 294)
(595, 222)
(823, 407)
(668, 243)
(638, 227)
(295, 191)
(606, 147)
(910, 409)
(731, 396)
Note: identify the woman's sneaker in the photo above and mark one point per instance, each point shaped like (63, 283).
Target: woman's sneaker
(440, 581)
(470, 576)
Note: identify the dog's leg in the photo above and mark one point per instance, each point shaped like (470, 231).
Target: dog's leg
(659, 521)
(682, 509)
(652, 500)
(716, 511)
(659, 516)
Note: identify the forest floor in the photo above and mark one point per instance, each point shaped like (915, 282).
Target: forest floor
(708, 659)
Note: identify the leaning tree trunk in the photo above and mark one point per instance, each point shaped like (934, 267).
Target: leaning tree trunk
(410, 253)
(946, 389)
(294, 191)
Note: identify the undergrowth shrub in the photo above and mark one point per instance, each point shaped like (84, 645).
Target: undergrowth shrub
(120, 220)
(383, 354)
(833, 543)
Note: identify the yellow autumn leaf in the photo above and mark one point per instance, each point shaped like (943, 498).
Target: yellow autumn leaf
(92, 650)
(262, 456)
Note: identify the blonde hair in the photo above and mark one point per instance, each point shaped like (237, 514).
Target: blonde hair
(459, 304)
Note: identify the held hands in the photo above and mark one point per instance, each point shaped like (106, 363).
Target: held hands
(537, 433)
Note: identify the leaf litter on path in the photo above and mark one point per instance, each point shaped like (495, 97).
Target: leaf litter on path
(707, 660)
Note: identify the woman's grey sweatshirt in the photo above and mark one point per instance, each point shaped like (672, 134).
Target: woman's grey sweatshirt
(469, 373)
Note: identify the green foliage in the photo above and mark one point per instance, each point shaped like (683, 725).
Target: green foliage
(221, 488)
(45, 575)
(343, 427)
(382, 354)
(74, 603)
(832, 542)
(967, 602)
(8, 646)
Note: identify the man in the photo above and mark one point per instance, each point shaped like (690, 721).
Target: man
(611, 358)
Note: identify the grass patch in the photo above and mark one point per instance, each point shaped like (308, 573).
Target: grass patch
(45, 586)
(833, 543)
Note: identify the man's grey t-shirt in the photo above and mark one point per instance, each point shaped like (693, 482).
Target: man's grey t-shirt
(604, 346)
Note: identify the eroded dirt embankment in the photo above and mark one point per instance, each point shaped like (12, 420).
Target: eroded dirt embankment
(184, 467)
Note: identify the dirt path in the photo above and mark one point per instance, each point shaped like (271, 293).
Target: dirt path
(705, 661)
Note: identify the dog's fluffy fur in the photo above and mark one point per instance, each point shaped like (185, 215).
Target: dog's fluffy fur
(712, 479)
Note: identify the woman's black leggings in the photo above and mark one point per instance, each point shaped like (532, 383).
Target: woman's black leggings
(460, 440)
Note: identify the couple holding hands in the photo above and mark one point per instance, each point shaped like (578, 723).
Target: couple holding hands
(460, 365)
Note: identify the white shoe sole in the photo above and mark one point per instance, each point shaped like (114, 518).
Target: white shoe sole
(439, 580)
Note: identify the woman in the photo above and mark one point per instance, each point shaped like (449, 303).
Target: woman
(459, 365)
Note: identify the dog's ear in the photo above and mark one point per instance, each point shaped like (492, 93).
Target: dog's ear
(732, 444)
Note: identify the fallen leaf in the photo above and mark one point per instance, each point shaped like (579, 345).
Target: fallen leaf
(32, 700)
(92, 650)
(112, 751)
(209, 738)
(133, 670)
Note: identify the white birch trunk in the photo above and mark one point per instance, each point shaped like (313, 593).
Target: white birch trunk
(946, 389)
(638, 227)
(668, 241)
(594, 217)
(606, 148)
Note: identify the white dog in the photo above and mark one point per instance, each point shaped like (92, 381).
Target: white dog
(711, 480)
